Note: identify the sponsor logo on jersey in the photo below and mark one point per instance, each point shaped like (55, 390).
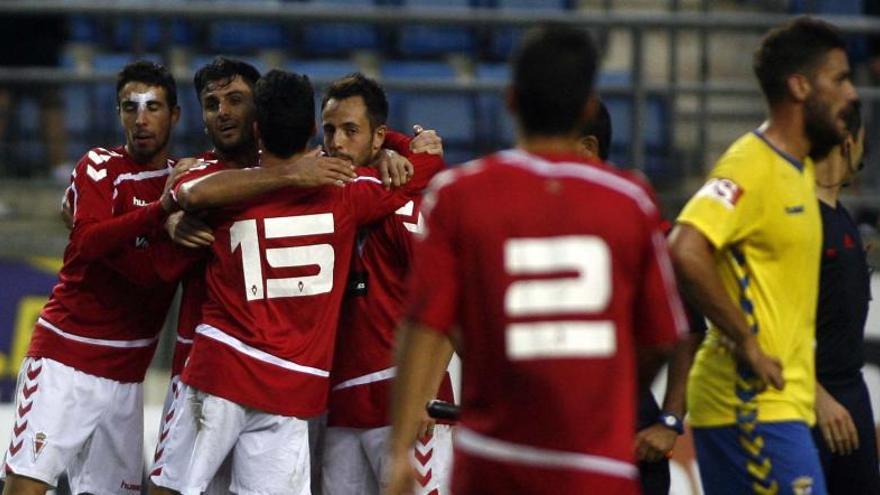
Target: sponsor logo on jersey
(725, 191)
(40, 441)
(138, 201)
(794, 210)
(133, 486)
(141, 242)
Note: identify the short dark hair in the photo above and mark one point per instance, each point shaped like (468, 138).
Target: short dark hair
(150, 73)
(357, 84)
(224, 69)
(796, 47)
(553, 72)
(600, 128)
(285, 112)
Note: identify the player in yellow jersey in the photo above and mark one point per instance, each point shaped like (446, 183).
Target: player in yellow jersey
(746, 249)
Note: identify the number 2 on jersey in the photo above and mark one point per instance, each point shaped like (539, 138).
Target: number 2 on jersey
(244, 234)
(585, 293)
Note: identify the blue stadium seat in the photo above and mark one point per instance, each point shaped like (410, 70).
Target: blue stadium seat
(84, 29)
(422, 40)
(152, 33)
(247, 37)
(505, 39)
(326, 69)
(496, 126)
(452, 115)
(340, 38)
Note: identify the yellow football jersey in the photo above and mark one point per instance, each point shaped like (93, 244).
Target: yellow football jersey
(759, 209)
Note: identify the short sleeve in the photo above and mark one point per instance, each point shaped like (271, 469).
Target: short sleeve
(727, 207)
(435, 276)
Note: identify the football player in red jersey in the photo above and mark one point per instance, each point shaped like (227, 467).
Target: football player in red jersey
(80, 397)
(549, 271)
(354, 113)
(261, 354)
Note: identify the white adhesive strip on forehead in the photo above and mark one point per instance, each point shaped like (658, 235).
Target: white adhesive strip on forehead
(142, 99)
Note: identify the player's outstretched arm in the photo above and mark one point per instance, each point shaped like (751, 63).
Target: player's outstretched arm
(422, 354)
(229, 187)
(693, 260)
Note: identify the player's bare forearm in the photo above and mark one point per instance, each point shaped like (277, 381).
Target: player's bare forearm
(679, 366)
(230, 187)
(693, 259)
(422, 355)
(649, 360)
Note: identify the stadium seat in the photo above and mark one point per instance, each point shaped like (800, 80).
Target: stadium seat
(246, 37)
(340, 38)
(323, 70)
(452, 115)
(496, 127)
(505, 39)
(84, 29)
(152, 33)
(429, 41)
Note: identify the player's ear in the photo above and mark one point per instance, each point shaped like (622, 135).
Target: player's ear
(379, 137)
(799, 87)
(589, 146)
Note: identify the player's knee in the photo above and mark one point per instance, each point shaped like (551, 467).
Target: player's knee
(20, 485)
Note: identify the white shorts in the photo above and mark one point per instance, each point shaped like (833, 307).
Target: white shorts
(355, 461)
(67, 420)
(175, 401)
(270, 453)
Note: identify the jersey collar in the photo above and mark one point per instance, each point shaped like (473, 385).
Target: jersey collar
(787, 157)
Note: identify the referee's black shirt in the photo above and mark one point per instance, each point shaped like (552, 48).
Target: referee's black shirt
(844, 292)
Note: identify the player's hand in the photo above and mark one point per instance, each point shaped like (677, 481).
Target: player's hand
(654, 443)
(188, 230)
(426, 141)
(67, 212)
(426, 427)
(394, 169)
(836, 424)
(767, 369)
(314, 170)
(401, 475)
(182, 166)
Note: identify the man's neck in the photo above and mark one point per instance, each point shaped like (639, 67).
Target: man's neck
(785, 130)
(830, 176)
(549, 144)
(242, 159)
(156, 162)
(268, 160)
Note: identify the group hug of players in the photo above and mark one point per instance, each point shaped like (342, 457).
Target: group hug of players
(546, 270)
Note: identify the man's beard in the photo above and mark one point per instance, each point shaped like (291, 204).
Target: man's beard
(244, 144)
(820, 128)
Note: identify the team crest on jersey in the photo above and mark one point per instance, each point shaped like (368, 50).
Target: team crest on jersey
(40, 441)
(725, 191)
(802, 485)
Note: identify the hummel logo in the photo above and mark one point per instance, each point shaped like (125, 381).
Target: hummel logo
(138, 202)
(791, 210)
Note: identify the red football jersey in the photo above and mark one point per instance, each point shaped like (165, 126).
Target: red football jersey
(193, 295)
(553, 269)
(275, 284)
(104, 314)
(363, 365)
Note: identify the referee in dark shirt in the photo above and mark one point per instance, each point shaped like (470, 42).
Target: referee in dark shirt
(844, 432)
